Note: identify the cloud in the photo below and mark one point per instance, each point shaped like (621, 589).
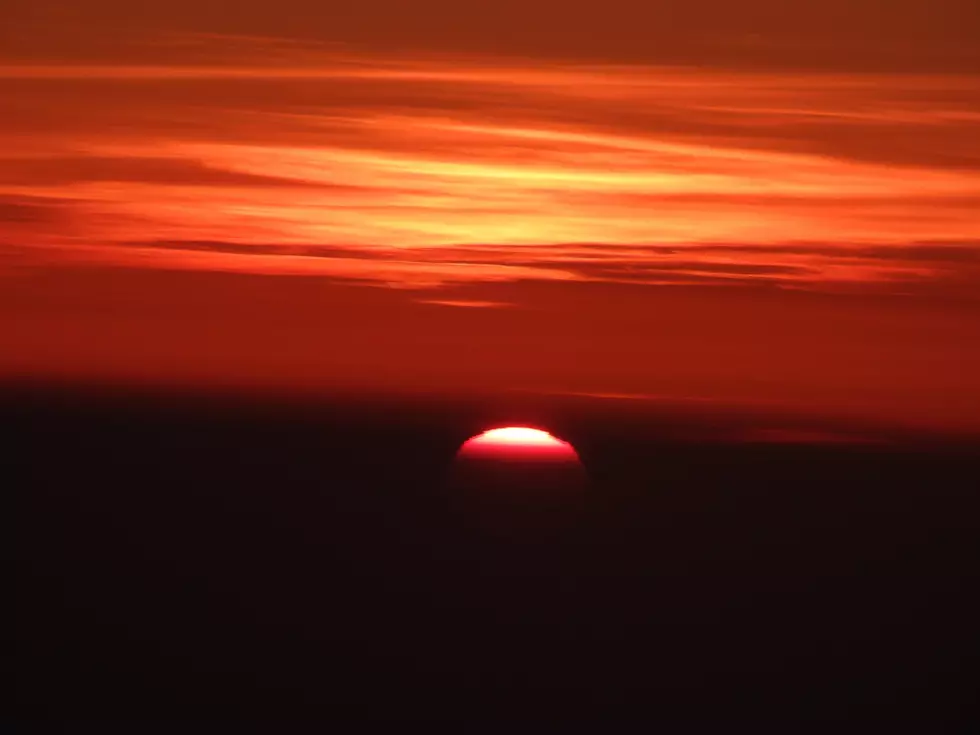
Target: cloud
(804, 437)
(831, 267)
(26, 210)
(274, 261)
(448, 168)
(68, 170)
(466, 303)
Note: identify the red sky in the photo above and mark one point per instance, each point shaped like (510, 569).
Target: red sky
(765, 202)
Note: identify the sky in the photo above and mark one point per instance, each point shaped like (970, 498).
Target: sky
(764, 202)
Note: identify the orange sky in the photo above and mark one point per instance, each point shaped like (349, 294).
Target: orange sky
(760, 209)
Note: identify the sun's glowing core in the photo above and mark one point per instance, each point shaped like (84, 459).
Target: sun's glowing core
(518, 435)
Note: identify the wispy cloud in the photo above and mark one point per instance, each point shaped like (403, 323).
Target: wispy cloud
(425, 170)
(466, 303)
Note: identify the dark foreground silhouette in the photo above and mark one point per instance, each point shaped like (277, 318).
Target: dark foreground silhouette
(252, 560)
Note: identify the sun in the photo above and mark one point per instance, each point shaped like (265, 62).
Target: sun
(520, 443)
(518, 435)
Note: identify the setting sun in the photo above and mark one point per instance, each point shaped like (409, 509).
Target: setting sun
(518, 444)
(517, 435)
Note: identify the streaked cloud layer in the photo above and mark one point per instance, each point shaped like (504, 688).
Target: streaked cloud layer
(414, 171)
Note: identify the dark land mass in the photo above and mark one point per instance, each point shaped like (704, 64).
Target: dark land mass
(192, 552)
